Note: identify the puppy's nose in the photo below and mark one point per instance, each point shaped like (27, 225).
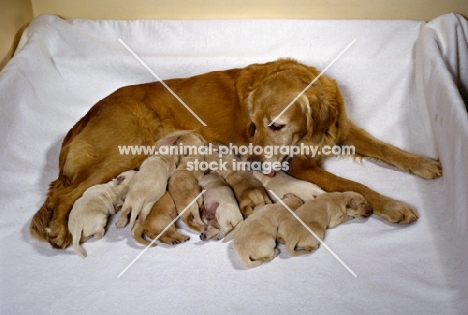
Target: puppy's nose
(367, 210)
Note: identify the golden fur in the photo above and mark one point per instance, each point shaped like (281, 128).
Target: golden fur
(162, 213)
(327, 211)
(237, 105)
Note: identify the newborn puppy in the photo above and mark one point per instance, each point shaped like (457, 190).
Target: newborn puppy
(220, 207)
(255, 239)
(160, 216)
(183, 184)
(147, 186)
(90, 212)
(282, 184)
(326, 211)
(248, 190)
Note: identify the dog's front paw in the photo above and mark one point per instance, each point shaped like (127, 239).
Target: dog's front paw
(426, 168)
(396, 211)
(58, 234)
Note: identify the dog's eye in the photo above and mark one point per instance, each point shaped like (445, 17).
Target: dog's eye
(252, 129)
(276, 127)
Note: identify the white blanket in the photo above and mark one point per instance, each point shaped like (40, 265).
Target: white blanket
(402, 81)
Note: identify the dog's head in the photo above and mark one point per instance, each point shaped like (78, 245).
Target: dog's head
(312, 113)
(355, 205)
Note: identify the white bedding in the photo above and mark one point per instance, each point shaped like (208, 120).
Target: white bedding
(402, 81)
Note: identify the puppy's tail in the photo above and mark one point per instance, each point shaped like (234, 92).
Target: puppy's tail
(138, 233)
(248, 262)
(76, 233)
(231, 235)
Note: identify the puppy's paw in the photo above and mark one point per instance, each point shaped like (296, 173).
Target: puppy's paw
(396, 211)
(58, 234)
(122, 222)
(209, 232)
(426, 168)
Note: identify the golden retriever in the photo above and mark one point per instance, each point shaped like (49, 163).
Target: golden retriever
(183, 184)
(162, 213)
(90, 212)
(220, 211)
(255, 238)
(327, 211)
(238, 107)
(249, 190)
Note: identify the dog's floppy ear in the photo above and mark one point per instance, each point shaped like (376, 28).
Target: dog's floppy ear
(324, 105)
(252, 76)
(351, 204)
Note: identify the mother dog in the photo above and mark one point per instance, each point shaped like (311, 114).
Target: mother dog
(238, 107)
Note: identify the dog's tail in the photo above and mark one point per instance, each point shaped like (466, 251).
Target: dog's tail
(138, 233)
(250, 263)
(291, 247)
(76, 234)
(232, 234)
(40, 220)
(39, 223)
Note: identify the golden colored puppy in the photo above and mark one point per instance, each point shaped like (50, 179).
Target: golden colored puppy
(161, 215)
(90, 212)
(327, 211)
(220, 210)
(255, 239)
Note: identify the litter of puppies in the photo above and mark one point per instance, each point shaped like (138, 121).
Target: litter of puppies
(235, 205)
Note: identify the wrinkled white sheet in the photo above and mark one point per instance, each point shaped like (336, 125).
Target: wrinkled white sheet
(402, 81)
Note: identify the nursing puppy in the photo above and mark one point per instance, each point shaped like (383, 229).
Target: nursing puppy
(220, 207)
(327, 211)
(248, 190)
(148, 185)
(183, 184)
(90, 212)
(282, 184)
(255, 240)
(161, 215)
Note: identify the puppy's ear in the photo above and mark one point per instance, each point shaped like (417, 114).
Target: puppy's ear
(119, 179)
(351, 204)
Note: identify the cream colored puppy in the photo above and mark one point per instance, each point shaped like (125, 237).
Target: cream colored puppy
(147, 186)
(161, 215)
(326, 211)
(220, 210)
(248, 190)
(255, 239)
(183, 184)
(282, 184)
(90, 212)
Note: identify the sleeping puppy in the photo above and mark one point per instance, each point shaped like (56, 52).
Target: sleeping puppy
(248, 190)
(220, 207)
(255, 240)
(147, 186)
(327, 211)
(282, 183)
(161, 215)
(183, 184)
(90, 212)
